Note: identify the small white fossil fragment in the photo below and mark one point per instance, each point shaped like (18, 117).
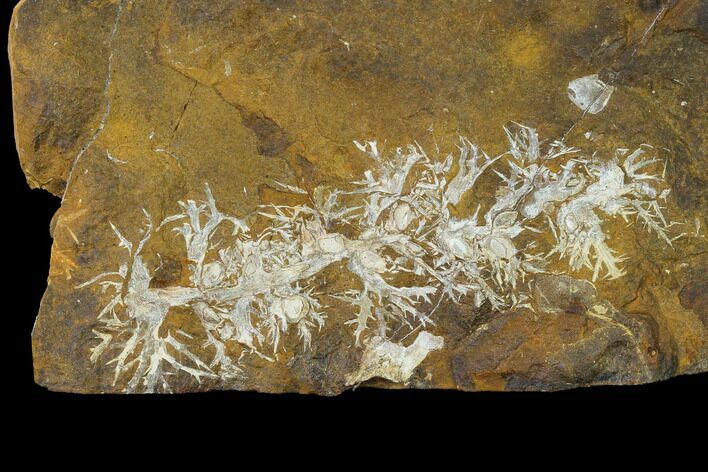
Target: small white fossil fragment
(114, 159)
(501, 247)
(250, 268)
(372, 261)
(393, 361)
(457, 245)
(332, 244)
(401, 217)
(589, 93)
(212, 274)
(292, 308)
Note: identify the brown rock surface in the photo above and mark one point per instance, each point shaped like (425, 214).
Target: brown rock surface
(306, 258)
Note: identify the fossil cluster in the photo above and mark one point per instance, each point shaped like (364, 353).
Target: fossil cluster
(252, 288)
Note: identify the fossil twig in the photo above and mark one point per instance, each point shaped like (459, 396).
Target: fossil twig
(251, 290)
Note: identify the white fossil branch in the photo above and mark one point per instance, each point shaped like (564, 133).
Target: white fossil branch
(472, 163)
(395, 237)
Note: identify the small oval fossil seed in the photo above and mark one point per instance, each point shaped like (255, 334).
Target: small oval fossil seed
(505, 219)
(402, 216)
(293, 308)
(212, 274)
(571, 223)
(250, 267)
(501, 247)
(459, 247)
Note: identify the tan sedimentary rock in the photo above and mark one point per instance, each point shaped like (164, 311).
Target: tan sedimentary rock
(276, 195)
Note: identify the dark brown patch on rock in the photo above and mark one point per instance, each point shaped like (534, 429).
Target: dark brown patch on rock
(695, 297)
(272, 139)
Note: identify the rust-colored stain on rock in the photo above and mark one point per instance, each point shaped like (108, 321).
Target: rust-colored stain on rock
(306, 196)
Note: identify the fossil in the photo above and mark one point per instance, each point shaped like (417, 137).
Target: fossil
(255, 288)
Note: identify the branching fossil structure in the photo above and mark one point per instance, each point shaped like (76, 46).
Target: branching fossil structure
(397, 232)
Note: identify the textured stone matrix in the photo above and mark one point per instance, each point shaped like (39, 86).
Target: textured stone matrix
(306, 196)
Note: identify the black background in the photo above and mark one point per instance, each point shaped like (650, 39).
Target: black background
(25, 219)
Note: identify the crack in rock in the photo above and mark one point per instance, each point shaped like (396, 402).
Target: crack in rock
(106, 88)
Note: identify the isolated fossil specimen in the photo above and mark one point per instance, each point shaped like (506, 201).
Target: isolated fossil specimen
(397, 231)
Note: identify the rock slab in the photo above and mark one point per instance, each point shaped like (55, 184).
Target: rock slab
(307, 196)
